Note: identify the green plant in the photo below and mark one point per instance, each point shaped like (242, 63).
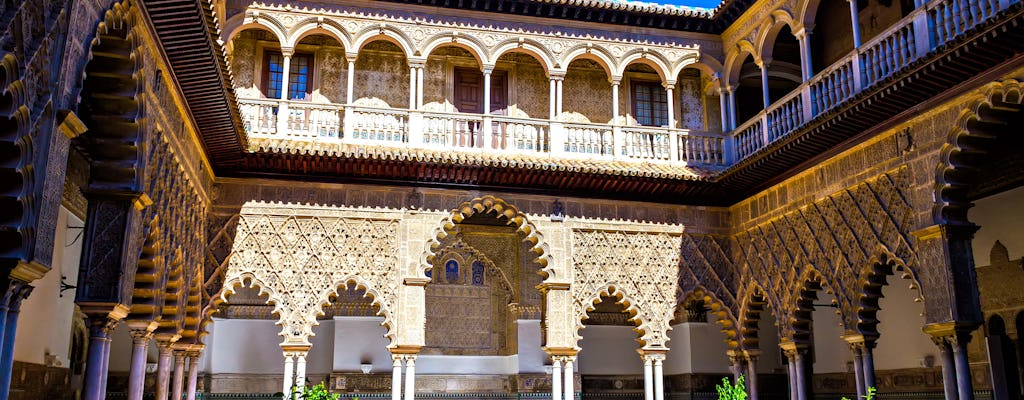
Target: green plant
(318, 392)
(728, 391)
(870, 395)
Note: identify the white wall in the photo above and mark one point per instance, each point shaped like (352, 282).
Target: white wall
(1000, 217)
(831, 352)
(696, 347)
(531, 357)
(245, 346)
(902, 343)
(609, 350)
(768, 335)
(44, 326)
(360, 340)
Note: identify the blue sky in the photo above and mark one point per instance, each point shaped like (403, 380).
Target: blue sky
(691, 3)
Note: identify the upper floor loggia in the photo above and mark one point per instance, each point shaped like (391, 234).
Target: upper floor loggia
(350, 76)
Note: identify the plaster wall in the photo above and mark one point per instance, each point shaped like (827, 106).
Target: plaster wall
(358, 340)
(831, 353)
(44, 326)
(902, 343)
(1000, 217)
(531, 357)
(609, 350)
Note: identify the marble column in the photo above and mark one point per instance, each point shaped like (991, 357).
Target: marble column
(412, 87)
(615, 101)
(350, 84)
(964, 385)
(670, 103)
(752, 373)
(17, 292)
(289, 375)
(869, 365)
(556, 378)
(551, 99)
(648, 378)
(858, 369)
(286, 54)
(396, 377)
(948, 367)
(659, 377)
(570, 391)
(733, 113)
(193, 375)
(410, 377)
(855, 22)
(178, 383)
(792, 375)
(100, 327)
(803, 38)
(419, 86)
(300, 370)
(801, 378)
(723, 108)
(163, 368)
(766, 97)
(141, 335)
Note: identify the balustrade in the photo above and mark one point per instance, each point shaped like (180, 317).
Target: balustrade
(887, 53)
(313, 120)
(259, 116)
(521, 134)
(453, 130)
(785, 116)
(950, 18)
(646, 143)
(832, 86)
(383, 124)
(749, 138)
(701, 149)
(589, 139)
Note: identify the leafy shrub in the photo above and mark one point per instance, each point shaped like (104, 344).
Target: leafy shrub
(728, 391)
(318, 392)
(870, 395)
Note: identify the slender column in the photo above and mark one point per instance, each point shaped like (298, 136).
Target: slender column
(615, 102)
(410, 377)
(300, 370)
(764, 82)
(659, 377)
(193, 375)
(140, 347)
(801, 379)
(858, 370)
(286, 53)
(163, 368)
(488, 134)
(289, 374)
(419, 87)
(948, 367)
(803, 38)
(855, 20)
(178, 384)
(965, 388)
(752, 373)
(100, 326)
(570, 391)
(17, 292)
(732, 107)
(558, 96)
(790, 356)
(350, 84)
(396, 377)
(737, 360)
(648, 378)
(869, 366)
(105, 352)
(556, 378)
(551, 98)
(412, 87)
(723, 109)
(671, 104)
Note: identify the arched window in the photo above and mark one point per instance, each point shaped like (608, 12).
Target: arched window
(451, 271)
(478, 273)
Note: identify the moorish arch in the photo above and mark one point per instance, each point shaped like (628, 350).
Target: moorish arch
(641, 269)
(300, 261)
(873, 280)
(725, 316)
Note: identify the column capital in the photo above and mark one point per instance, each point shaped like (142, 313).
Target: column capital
(556, 76)
(615, 80)
(487, 69)
(951, 333)
(962, 231)
(351, 57)
(669, 84)
(652, 355)
(287, 51)
(417, 62)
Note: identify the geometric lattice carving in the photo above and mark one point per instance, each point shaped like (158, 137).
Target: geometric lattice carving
(300, 261)
(640, 269)
(836, 238)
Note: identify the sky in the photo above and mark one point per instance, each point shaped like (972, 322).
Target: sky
(690, 3)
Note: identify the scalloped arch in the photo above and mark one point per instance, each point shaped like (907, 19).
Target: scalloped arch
(312, 26)
(377, 299)
(628, 302)
(726, 320)
(487, 205)
(801, 300)
(871, 282)
(966, 137)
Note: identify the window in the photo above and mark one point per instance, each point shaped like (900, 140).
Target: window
(650, 104)
(451, 271)
(478, 273)
(301, 71)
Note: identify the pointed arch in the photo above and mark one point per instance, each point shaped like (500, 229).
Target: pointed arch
(527, 46)
(498, 208)
(458, 248)
(313, 26)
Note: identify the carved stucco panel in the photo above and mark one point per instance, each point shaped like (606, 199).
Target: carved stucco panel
(641, 268)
